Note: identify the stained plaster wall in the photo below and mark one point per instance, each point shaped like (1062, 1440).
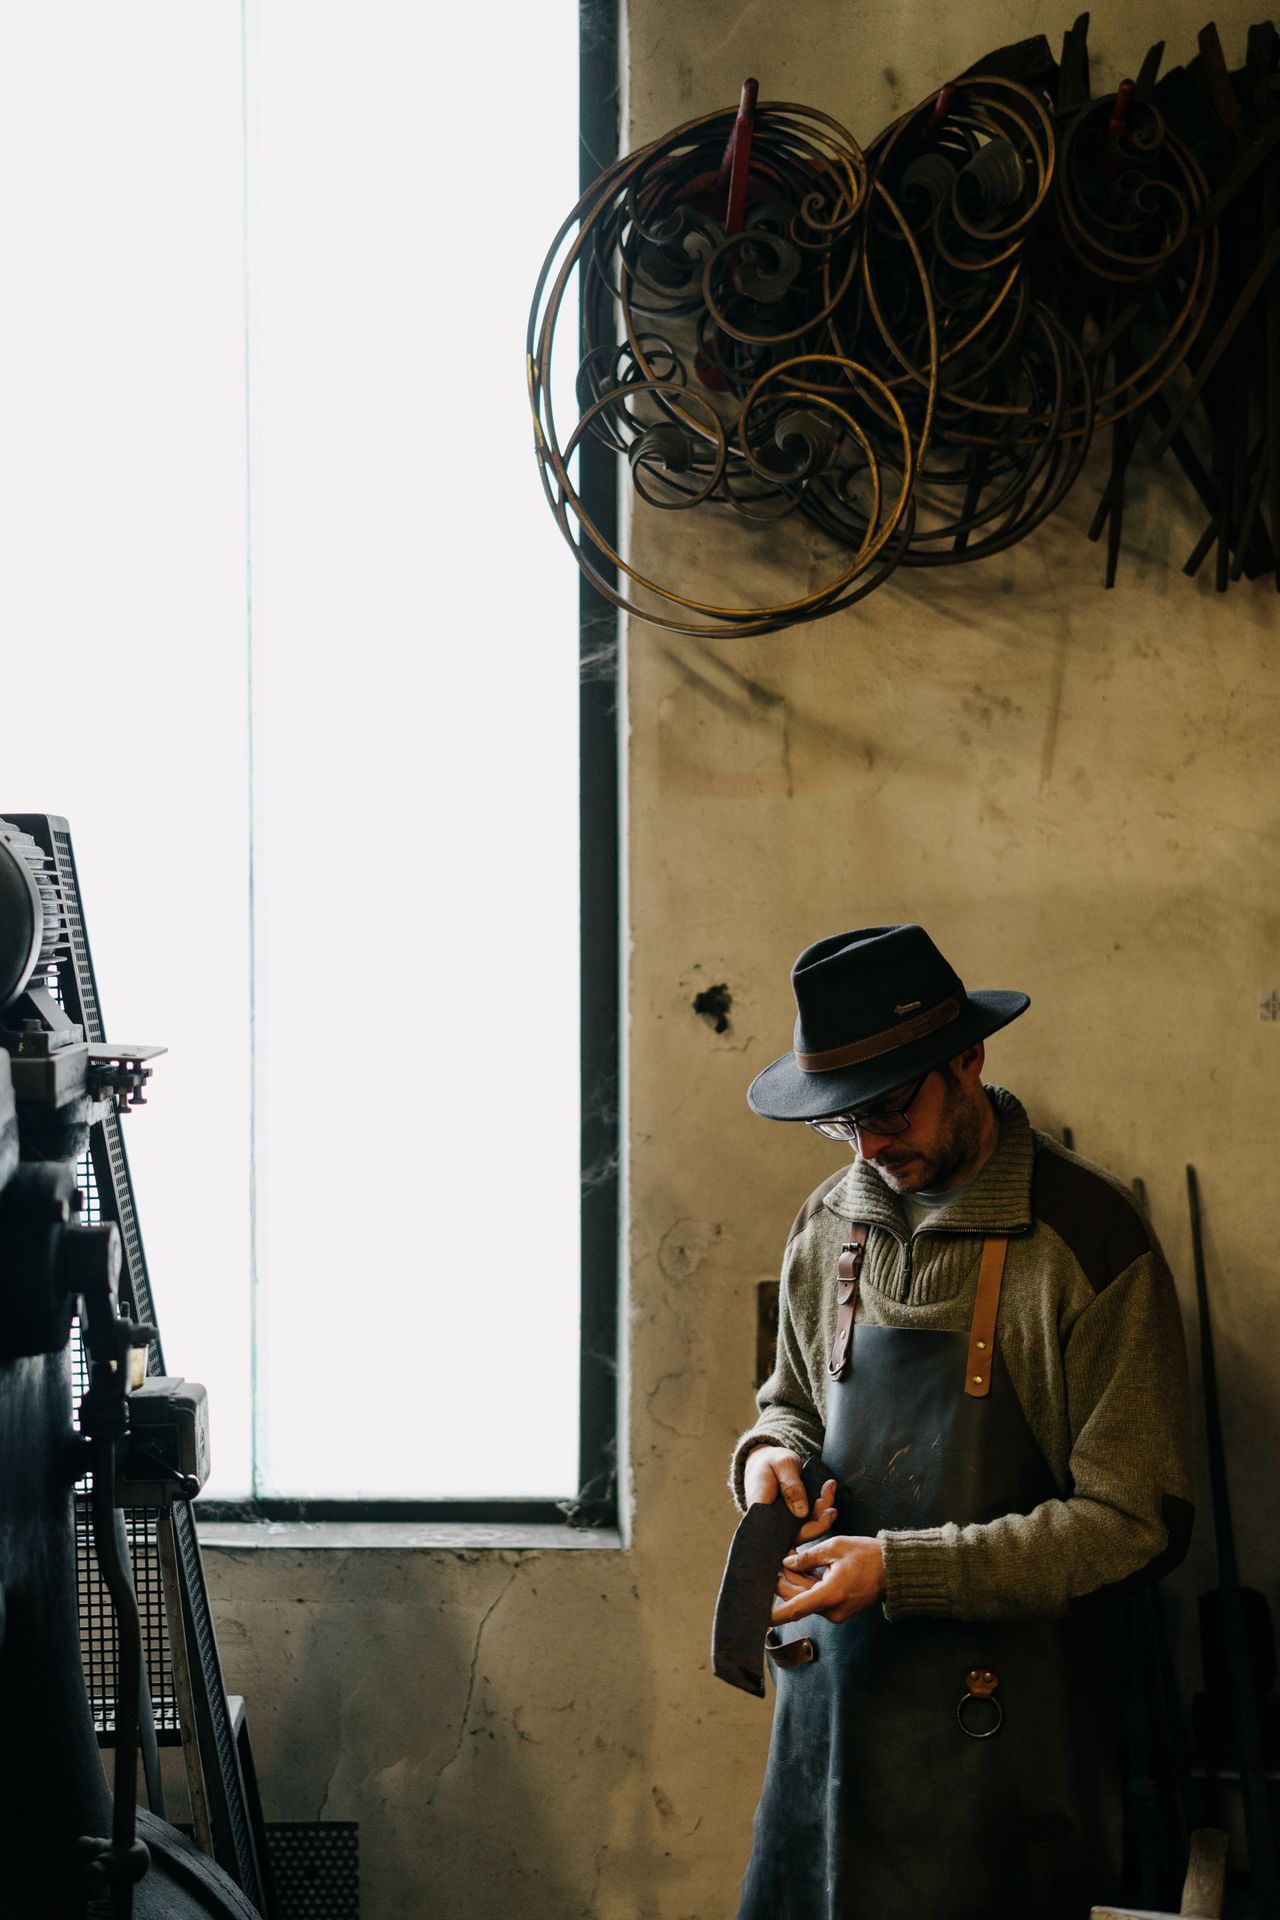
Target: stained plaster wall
(1077, 792)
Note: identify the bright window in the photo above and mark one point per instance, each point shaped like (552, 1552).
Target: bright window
(302, 671)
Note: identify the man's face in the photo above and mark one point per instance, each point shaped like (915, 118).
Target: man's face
(944, 1135)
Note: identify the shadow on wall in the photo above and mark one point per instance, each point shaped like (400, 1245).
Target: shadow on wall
(486, 1724)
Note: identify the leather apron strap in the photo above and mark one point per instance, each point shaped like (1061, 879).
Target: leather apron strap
(986, 1306)
(848, 1268)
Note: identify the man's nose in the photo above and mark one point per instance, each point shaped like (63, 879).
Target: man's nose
(870, 1142)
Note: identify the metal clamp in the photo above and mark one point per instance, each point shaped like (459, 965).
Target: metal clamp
(980, 1687)
(789, 1653)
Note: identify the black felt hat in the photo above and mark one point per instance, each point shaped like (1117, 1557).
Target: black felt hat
(875, 1008)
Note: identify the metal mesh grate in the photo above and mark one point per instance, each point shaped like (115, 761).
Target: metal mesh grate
(315, 1869)
(90, 1216)
(77, 939)
(135, 1288)
(97, 1625)
(97, 1622)
(87, 1181)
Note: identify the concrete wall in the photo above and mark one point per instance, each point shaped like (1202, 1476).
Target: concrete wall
(1076, 792)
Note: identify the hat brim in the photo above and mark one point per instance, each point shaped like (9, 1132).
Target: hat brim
(783, 1091)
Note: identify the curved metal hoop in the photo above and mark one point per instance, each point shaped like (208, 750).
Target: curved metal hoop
(980, 1700)
(908, 348)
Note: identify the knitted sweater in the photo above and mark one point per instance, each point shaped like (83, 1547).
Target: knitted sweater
(1090, 1332)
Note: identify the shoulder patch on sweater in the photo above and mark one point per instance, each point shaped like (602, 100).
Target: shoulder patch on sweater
(1102, 1226)
(814, 1202)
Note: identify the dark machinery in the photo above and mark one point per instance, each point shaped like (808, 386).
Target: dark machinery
(70, 1847)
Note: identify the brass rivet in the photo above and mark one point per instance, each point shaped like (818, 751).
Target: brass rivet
(977, 1379)
(982, 1346)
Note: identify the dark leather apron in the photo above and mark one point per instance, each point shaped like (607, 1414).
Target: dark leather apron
(933, 1769)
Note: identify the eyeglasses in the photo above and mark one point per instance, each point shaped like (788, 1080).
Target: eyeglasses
(846, 1126)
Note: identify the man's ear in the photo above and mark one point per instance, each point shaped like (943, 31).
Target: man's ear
(968, 1065)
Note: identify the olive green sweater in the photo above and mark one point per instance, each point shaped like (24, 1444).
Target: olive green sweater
(1090, 1332)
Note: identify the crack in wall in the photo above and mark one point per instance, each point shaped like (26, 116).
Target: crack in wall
(681, 1433)
(485, 1618)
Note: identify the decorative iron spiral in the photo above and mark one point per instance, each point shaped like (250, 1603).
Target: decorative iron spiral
(908, 348)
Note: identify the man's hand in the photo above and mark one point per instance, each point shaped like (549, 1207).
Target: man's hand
(770, 1471)
(836, 1578)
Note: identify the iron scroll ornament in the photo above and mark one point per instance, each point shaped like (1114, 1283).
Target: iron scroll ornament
(730, 383)
(910, 348)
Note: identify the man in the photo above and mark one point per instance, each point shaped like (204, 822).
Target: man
(979, 1336)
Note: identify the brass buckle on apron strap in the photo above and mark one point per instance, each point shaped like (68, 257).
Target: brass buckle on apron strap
(789, 1653)
(979, 1712)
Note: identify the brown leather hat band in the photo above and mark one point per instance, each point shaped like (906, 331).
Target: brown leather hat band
(886, 1042)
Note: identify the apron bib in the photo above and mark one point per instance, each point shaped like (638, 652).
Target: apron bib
(933, 1769)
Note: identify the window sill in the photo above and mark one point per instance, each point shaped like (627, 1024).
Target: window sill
(404, 1536)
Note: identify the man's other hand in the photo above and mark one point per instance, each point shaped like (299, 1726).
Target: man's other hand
(836, 1578)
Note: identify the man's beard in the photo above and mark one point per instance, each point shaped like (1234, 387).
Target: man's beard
(958, 1137)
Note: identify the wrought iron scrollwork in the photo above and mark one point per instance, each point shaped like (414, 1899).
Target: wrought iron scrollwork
(910, 348)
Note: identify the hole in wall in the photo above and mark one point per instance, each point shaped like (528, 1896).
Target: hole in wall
(713, 1004)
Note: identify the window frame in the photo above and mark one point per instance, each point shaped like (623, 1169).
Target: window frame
(594, 1503)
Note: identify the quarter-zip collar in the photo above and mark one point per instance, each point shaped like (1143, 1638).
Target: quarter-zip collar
(996, 1200)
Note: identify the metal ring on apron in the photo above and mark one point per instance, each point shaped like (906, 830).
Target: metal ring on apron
(980, 1684)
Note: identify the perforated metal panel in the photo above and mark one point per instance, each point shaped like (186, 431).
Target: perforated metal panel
(97, 1622)
(315, 1869)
